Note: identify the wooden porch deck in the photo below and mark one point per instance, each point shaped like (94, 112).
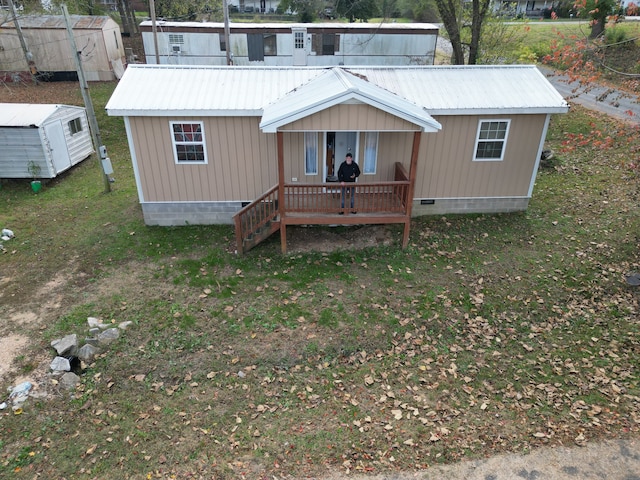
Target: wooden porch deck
(320, 204)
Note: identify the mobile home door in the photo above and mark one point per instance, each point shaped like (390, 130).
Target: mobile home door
(299, 46)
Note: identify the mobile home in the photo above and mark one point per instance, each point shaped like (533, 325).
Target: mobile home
(291, 44)
(428, 140)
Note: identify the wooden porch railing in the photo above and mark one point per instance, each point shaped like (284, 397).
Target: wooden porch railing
(379, 202)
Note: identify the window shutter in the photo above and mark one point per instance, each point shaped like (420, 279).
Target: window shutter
(336, 43)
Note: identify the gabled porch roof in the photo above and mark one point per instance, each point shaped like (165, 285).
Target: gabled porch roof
(338, 86)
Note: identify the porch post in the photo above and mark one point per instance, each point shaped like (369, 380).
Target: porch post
(281, 209)
(412, 182)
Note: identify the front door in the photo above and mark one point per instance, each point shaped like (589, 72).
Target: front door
(299, 46)
(344, 142)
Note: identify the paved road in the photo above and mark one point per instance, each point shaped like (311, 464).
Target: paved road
(612, 460)
(602, 99)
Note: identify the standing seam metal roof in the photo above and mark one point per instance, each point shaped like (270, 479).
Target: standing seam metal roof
(166, 90)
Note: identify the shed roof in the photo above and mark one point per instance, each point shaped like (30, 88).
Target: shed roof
(57, 21)
(172, 90)
(27, 114)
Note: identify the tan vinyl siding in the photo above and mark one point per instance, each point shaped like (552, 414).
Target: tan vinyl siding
(446, 168)
(345, 117)
(241, 161)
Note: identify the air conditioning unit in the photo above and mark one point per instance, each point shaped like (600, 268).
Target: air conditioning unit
(176, 49)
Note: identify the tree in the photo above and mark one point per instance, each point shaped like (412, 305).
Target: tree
(306, 10)
(357, 9)
(464, 28)
(185, 9)
(598, 12)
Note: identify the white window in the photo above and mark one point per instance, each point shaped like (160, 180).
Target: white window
(491, 140)
(370, 153)
(176, 38)
(188, 142)
(75, 126)
(310, 153)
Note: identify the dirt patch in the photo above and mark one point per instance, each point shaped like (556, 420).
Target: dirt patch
(328, 239)
(10, 347)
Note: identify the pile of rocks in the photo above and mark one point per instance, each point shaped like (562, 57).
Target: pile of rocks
(72, 358)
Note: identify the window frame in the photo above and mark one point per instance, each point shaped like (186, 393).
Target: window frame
(75, 126)
(479, 140)
(175, 143)
(311, 149)
(270, 40)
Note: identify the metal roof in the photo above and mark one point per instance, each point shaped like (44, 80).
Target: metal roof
(338, 86)
(26, 114)
(57, 21)
(173, 90)
(425, 28)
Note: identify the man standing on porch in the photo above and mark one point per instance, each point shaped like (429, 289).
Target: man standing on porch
(347, 173)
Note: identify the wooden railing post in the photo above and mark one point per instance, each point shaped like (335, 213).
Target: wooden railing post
(281, 197)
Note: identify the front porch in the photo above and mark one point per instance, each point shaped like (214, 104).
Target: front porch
(312, 204)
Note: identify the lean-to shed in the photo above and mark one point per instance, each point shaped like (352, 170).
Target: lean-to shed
(98, 40)
(54, 137)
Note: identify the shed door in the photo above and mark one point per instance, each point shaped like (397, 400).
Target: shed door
(299, 46)
(57, 144)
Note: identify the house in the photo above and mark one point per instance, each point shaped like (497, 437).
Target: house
(98, 40)
(53, 137)
(522, 8)
(287, 44)
(260, 146)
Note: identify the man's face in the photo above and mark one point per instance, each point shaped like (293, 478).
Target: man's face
(348, 159)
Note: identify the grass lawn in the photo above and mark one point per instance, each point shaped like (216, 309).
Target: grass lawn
(489, 333)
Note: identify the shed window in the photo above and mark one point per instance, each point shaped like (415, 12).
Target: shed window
(370, 153)
(75, 126)
(188, 142)
(491, 140)
(310, 153)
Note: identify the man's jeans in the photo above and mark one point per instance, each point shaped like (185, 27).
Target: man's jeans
(348, 191)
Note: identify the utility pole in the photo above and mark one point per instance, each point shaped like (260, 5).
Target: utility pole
(28, 56)
(93, 122)
(154, 29)
(225, 8)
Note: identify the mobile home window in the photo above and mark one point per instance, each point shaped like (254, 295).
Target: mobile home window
(188, 142)
(75, 126)
(270, 45)
(223, 43)
(310, 153)
(491, 140)
(326, 43)
(176, 39)
(370, 153)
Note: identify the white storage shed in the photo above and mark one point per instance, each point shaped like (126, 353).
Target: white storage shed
(55, 137)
